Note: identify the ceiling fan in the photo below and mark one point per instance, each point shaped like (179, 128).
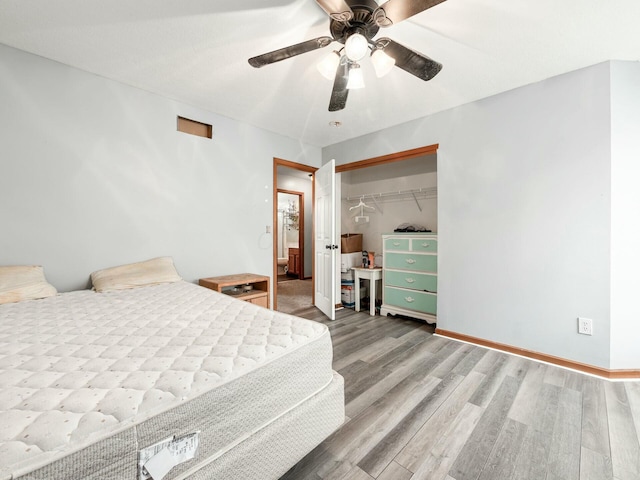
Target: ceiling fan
(354, 23)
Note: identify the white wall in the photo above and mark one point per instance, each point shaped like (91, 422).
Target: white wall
(625, 205)
(94, 174)
(523, 212)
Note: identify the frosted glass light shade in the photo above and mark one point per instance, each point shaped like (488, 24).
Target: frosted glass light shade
(329, 64)
(356, 47)
(382, 63)
(356, 80)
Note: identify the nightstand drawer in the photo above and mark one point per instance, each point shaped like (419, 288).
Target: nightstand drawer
(411, 299)
(424, 245)
(408, 261)
(414, 281)
(398, 244)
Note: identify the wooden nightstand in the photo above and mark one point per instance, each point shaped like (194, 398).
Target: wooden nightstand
(258, 295)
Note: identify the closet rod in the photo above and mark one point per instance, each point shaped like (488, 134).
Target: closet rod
(427, 190)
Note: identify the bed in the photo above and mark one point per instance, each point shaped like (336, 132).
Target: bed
(92, 383)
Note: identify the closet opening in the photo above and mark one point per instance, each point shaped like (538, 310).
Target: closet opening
(381, 197)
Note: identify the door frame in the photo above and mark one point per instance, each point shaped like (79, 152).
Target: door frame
(301, 246)
(279, 162)
(391, 158)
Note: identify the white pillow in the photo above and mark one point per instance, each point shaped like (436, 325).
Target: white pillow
(24, 282)
(150, 272)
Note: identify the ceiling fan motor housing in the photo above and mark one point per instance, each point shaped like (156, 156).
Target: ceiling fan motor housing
(362, 21)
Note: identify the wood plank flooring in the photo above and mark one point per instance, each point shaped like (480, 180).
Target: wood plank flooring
(421, 406)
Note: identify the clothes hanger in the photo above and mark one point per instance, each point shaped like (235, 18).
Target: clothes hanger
(361, 205)
(362, 217)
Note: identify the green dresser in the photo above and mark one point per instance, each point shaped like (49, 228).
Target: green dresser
(410, 275)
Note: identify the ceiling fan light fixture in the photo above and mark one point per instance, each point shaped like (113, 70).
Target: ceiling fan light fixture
(356, 47)
(382, 63)
(356, 80)
(328, 65)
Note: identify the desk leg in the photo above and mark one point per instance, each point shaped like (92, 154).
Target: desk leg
(372, 296)
(356, 287)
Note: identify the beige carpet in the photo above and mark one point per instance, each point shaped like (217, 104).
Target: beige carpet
(294, 295)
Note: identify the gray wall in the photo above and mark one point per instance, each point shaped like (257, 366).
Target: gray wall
(93, 173)
(524, 218)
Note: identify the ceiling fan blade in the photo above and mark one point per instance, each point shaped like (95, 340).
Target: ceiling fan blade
(337, 9)
(413, 62)
(290, 51)
(394, 11)
(339, 93)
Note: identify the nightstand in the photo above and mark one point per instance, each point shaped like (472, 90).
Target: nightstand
(259, 293)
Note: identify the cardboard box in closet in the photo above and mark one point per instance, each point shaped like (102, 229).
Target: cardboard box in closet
(351, 242)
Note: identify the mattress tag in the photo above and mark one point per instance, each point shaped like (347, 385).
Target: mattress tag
(155, 461)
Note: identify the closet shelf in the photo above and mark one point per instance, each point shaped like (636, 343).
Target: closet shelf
(422, 193)
(428, 191)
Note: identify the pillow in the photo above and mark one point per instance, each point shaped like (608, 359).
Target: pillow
(150, 272)
(24, 282)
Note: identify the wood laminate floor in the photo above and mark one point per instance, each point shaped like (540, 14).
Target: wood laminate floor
(420, 406)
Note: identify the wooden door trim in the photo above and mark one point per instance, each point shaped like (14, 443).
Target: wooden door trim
(391, 158)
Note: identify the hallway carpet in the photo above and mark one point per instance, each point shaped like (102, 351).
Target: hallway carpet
(294, 295)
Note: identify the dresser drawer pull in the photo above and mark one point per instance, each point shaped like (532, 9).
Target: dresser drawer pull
(410, 261)
(396, 244)
(409, 299)
(409, 280)
(425, 244)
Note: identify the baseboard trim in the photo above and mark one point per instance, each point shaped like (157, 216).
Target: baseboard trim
(543, 357)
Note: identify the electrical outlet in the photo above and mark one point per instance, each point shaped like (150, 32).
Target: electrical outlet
(268, 228)
(585, 326)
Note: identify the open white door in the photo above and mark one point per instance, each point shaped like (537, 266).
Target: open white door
(326, 247)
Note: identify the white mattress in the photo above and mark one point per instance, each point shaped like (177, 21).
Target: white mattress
(90, 378)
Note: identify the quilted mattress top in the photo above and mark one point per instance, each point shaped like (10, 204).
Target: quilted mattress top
(82, 365)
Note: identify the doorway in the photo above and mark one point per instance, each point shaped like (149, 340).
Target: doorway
(292, 236)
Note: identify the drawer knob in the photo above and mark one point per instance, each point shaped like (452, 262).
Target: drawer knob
(409, 280)
(409, 299)
(410, 261)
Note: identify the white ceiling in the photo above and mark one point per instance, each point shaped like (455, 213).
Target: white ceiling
(196, 52)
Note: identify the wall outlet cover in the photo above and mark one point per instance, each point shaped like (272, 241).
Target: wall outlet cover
(585, 326)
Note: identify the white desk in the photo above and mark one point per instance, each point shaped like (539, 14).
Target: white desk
(373, 274)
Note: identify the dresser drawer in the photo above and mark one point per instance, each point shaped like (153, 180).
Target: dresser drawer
(411, 300)
(408, 261)
(415, 281)
(397, 244)
(424, 245)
